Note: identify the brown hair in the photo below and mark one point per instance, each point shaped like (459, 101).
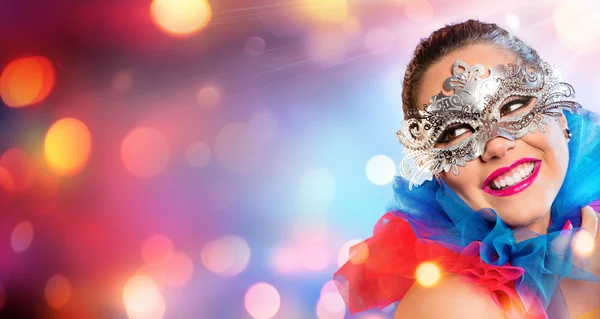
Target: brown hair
(450, 38)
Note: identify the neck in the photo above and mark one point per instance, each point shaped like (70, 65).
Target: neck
(538, 226)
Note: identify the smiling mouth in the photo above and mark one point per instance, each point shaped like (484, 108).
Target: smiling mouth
(512, 179)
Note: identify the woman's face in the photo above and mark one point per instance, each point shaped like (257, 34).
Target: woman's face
(546, 152)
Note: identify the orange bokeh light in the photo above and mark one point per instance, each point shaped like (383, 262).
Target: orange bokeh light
(181, 17)
(20, 166)
(57, 291)
(27, 81)
(67, 146)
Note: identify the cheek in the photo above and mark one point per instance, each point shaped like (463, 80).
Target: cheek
(466, 181)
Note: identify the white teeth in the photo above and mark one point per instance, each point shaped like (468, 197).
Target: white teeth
(497, 184)
(517, 177)
(509, 181)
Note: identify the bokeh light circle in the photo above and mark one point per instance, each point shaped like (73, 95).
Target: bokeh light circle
(512, 20)
(141, 295)
(576, 23)
(315, 190)
(155, 248)
(380, 170)
(181, 17)
(226, 256)
(331, 306)
(208, 97)
(254, 45)
(198, 154)
(583, 243)
(67, 146)
(22, 236)
(145, 152)
(344, 253)
(122, 81)
(262, 301)
(20, 166)
(428, 274)
(177, 269)
(27, 81)
(359, 253)
(57, 291)
(7, 188)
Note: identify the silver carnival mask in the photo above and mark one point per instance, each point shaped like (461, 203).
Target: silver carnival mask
(508, 101)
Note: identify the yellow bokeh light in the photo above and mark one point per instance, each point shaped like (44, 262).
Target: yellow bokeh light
(181, 17)
(26, 81)
(326, 10)
(583, 243)
(67, 146)
(428, 274)
(141, 296)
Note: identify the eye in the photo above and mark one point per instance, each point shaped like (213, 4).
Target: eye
(514, 103)
(454, 134)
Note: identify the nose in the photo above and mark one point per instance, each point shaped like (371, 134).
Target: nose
(497, 148)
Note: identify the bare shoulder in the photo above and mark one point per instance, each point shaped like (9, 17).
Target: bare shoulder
(451, 298)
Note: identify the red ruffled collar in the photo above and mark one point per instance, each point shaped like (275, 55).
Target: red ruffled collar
(382, 269)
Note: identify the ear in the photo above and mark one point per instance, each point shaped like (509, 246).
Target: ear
(563, 120)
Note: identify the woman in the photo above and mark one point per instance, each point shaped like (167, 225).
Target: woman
(508, 219)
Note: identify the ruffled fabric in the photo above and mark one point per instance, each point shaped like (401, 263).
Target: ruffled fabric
(382, 269)
(436, 213)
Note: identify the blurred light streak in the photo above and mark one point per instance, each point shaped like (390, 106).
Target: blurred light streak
(22, 236)
(57, 291)
(262, 301)
(380, 41)
(181, 18)
(145, 152)
(67, 146)
(27, 81)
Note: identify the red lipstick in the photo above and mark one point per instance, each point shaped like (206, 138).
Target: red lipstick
(517, 187)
